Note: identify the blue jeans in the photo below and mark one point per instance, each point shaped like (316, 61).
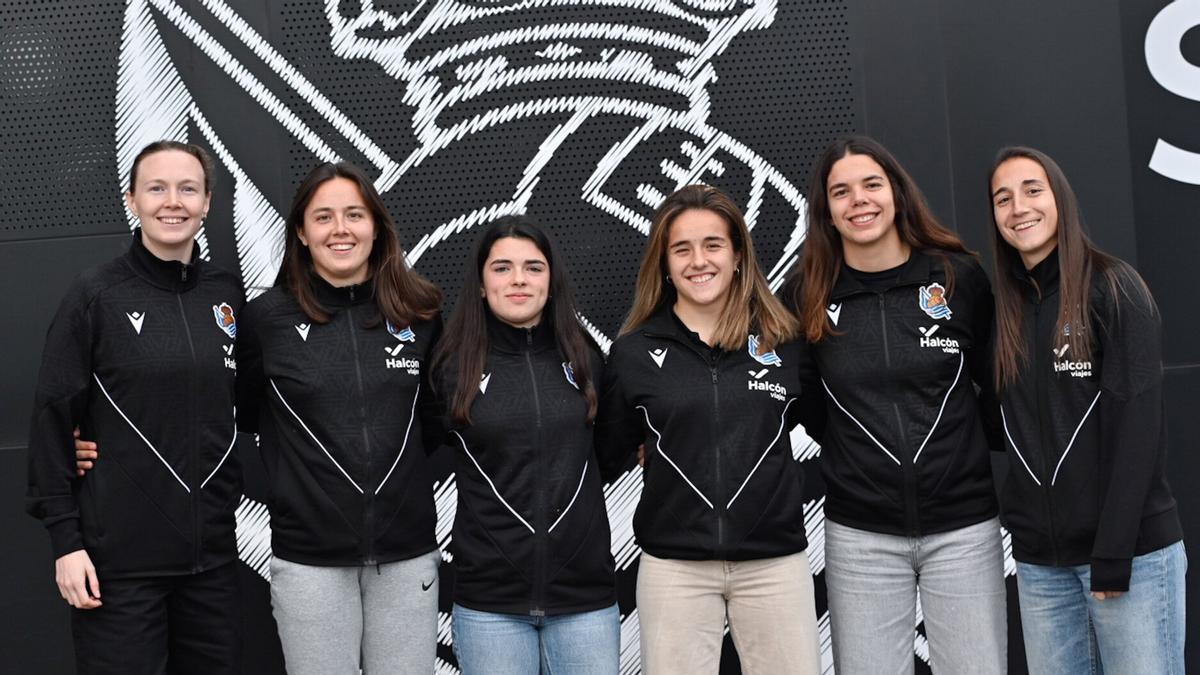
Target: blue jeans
(585, 643)
(1142, 631)
(872, 583)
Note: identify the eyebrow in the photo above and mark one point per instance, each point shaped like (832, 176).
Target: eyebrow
(1027, 181)
(714, 237)
(527, 261)
(873, 176)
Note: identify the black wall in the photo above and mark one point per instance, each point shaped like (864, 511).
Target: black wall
(944, 84)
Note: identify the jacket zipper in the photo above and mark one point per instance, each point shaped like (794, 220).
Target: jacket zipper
(908, 469)
(1041, 387)
(193, 426)
(716, 417)
(368, 543)
(538, 606)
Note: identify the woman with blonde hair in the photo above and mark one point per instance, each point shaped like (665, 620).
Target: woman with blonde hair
(705, 374)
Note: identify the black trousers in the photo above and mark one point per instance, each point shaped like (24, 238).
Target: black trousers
(157, 625)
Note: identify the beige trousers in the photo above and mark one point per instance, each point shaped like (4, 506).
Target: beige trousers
(683, 606)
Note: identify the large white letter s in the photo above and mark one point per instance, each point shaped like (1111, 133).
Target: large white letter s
(1164, 58)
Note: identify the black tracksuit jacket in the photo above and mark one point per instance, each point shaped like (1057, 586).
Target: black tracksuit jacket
(343, 411)
(904, 442)
(140, 356)
(531, 532)
(720, 480)
(1087, 438)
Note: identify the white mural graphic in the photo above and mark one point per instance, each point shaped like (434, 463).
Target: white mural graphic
(650, 64)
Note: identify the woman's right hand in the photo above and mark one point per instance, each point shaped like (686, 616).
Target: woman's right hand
(85, 454)
(77, 582)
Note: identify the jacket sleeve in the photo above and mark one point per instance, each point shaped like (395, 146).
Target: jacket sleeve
(251, 380)
(810, 411)
(60, 403)
(1128, 329)
(618, 429)
(980, 360)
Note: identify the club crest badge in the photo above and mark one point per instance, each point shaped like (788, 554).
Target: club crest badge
(403, 334)
(570, 374)
(223, 313)
(768, 359)
(932, 299)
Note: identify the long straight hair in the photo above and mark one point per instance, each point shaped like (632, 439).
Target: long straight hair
(464, 345)
(1078, 261)
(749, 304)
(402, 296)
(823, 257)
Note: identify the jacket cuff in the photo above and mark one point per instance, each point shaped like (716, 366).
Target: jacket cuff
(65, 537)
(1111, 574)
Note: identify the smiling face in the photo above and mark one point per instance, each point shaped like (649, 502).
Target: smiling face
(701, 260)
(1025, 209)
(170, 202)
(516, 281)
(339, 232)
(863, 209)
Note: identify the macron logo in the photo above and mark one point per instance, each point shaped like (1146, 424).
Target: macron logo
(394, 351)
(658, 355)
(136, 318)
(302, 329)
(834, 312)
(228, 349)
(483, 383)
(1058, 353)
(928, 332)
(759, 374)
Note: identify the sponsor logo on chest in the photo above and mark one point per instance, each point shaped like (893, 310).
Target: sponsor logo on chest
(931, 341)
(1066, 365)
(230, 362)
(757, 382)
(394, 360)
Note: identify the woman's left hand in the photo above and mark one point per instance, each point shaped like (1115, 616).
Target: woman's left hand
(1106, 595)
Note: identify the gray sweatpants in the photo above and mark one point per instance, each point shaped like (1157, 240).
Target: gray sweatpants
(336, 620)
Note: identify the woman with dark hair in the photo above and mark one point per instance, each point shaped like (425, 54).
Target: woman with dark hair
(138, 359)
(534, 587)
(705, 374)
(333, 365)
(897, 315)
(1095, 530)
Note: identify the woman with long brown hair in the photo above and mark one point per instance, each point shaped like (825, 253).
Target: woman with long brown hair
(333, 375)
(533, 575)
(897, 316)
(1095, 529)
(705, 374)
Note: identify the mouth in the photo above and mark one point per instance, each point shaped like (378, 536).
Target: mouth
(341, 247)
(863, 219)
(172, 220)
(1021, 227)
(700, 279)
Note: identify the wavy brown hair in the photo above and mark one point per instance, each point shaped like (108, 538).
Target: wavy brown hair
(1078, 261)
(402, 296)
(823, 257)
(750, 305)
(464, 346)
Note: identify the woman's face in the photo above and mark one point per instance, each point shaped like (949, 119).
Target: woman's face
(339, 232)
(861, 203)
(1025, 209)
(516, 281)
(701, 260)
(169, 201)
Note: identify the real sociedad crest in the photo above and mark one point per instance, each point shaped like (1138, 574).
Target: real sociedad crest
(932, 299)
(223, 313)
(403, 334)
(768, 359)
(570, 373)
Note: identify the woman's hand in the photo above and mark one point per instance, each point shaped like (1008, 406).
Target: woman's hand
(85, 454)
(77, 582)
(1107, 595)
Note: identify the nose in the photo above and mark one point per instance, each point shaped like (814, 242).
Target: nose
(339, 224)
(518, 276)
(858, 195)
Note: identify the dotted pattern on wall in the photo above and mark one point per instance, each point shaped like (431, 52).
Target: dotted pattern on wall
(57, 78)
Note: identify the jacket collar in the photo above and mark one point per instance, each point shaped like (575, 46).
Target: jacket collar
(331, 296)
(918, 269)
(1042, 280)
(171, 275)
(512, 340)
(665, 323)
